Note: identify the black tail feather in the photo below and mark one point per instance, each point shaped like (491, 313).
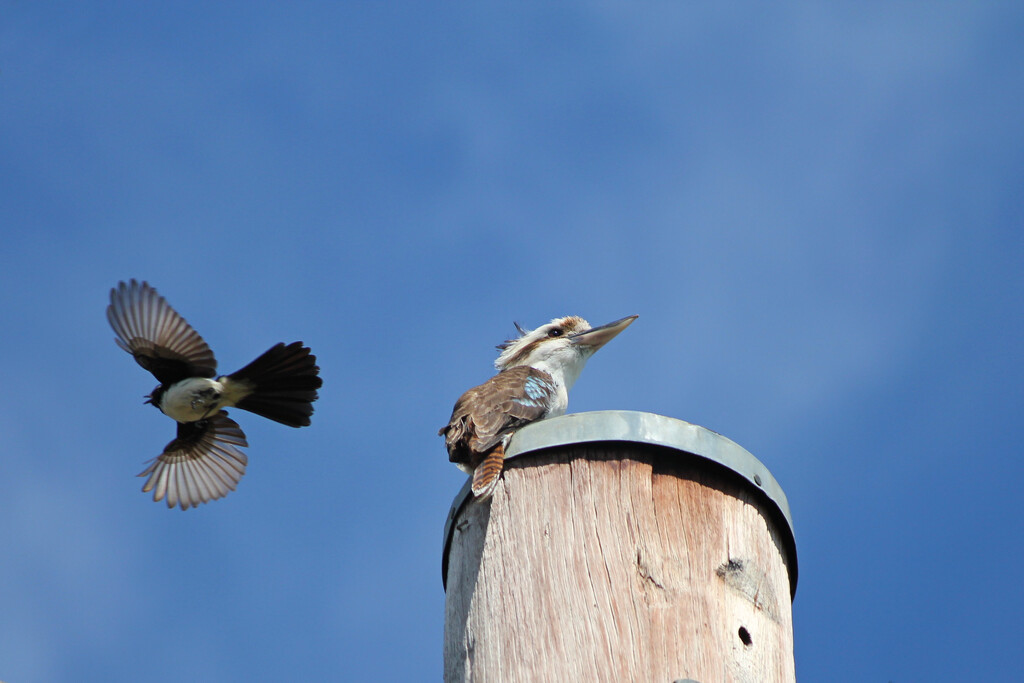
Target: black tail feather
(284, 381)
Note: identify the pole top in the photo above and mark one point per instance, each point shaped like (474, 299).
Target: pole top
(630, 426)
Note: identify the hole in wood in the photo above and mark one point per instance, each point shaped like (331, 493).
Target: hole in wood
(745, 636)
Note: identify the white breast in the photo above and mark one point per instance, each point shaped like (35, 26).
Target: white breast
(192, 399)
(559, 402)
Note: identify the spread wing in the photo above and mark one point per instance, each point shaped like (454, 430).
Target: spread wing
(486, 413)
(203, 463)
(153, 332)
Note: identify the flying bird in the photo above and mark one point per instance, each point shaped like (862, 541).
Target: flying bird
(535, 372)
(205, 462)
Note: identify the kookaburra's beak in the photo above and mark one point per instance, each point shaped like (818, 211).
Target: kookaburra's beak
(596, 337)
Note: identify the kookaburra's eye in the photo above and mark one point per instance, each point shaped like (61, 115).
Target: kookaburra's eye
(556, 332)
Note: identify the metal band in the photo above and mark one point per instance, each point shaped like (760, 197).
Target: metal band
(647, 428)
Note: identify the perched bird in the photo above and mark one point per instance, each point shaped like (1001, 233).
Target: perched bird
(204, 462)
(535, 373)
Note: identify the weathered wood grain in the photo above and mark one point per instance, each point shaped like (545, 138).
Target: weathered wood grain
(617, 562)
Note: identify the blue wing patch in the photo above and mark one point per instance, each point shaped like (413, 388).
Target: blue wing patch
(537, 391)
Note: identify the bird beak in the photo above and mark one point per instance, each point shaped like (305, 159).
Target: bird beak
(597, 337)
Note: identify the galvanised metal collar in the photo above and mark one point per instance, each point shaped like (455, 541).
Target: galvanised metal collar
(630, 426)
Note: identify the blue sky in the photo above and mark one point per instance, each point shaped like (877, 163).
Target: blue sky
(817, 212)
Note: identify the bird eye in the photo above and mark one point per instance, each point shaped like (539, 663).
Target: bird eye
(555, 333)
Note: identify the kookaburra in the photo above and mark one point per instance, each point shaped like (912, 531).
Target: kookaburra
(535, 373)
(205, 462)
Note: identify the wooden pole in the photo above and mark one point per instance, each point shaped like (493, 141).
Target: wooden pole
(609, 554)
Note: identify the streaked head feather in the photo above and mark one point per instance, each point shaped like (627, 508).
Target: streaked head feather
(517, 351)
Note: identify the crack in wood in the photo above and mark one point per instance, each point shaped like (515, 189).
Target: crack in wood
(645, 572)
(751, 583)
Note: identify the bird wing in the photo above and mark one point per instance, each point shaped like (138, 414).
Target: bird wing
(153, 332)
(486, 413)
(203, 463)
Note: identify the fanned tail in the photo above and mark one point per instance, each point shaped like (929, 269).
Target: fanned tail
(283, 382)
(487, 473)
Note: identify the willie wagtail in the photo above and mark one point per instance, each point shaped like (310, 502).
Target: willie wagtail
(205, 462)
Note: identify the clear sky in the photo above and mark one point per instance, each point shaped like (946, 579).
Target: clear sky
(817, 210)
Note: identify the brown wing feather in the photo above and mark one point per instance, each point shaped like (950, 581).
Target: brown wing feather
(486, 413)
(202, 464)
(160, 340)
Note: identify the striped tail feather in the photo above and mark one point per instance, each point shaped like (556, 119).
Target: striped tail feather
(487, 473)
